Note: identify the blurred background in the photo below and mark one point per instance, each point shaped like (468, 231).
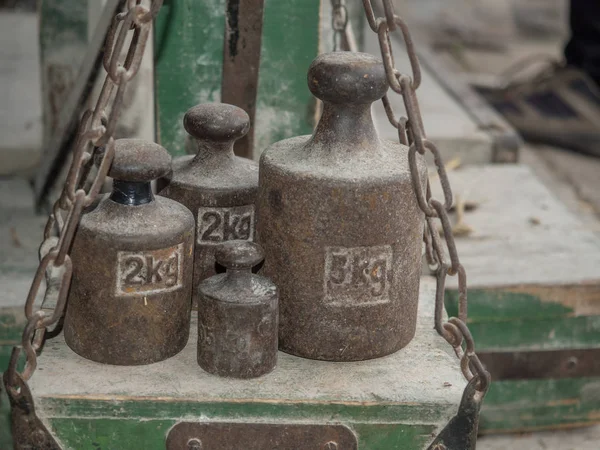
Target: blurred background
(517, 123)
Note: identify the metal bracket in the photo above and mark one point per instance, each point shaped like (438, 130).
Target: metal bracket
(461, 431)
(259, 436)
(28, 431)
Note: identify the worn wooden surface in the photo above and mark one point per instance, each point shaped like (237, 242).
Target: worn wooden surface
(522, 235)
(534, 283)
(402, 398)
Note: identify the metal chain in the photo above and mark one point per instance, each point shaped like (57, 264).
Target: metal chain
(95, 131)
(339, 24)
(412, 133)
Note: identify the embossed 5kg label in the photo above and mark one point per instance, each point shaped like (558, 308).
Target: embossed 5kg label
(150, 272)
(216, 225)
(358, 276)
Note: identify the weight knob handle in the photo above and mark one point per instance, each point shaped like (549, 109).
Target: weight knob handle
(137, 160)
(216, 122)
(347, 78)
(239, 255)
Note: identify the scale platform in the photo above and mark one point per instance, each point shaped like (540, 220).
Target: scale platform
(399, 401)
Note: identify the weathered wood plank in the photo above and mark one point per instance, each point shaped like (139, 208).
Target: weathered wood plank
(531, 301)
(403, 398)
(533, 269)
(399, 377)
(537, 334)
(521, 234)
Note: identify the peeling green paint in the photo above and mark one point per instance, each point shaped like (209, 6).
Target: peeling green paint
(535, 404)
(189, 54)
(106, 425)
(166, 409)
(547, 334)
(107, 434)
(510, 320)
(497, 305)
(392, 436)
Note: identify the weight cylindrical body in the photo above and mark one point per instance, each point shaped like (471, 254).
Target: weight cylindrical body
(238, 316)
(130, 296)
(340, 225)
(218, 187)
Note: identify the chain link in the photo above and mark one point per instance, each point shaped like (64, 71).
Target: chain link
(95, 130)
(412, 133)
(339, 24)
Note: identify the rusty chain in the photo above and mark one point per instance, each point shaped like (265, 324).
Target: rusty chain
(95, 132)
(412, 133)
(339, 24)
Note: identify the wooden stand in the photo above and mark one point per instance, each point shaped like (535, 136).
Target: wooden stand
(534, 300)
(400, 401)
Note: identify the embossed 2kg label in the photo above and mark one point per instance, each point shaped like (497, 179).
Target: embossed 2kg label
(216, 225)
(149, 272)
(358, 276)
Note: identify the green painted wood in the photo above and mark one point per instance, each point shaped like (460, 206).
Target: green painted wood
(500, 305)
(388, 436)
(106, 434)
(294, 411)
(536, 404)
(508, 320)
(535, 318)
(189, 53)
(285, 107)
(188, 61)
(547, 334)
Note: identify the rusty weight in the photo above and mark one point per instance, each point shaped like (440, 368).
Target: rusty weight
(340, 225)
(217, 186)
(238, 316)
(130, 297)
